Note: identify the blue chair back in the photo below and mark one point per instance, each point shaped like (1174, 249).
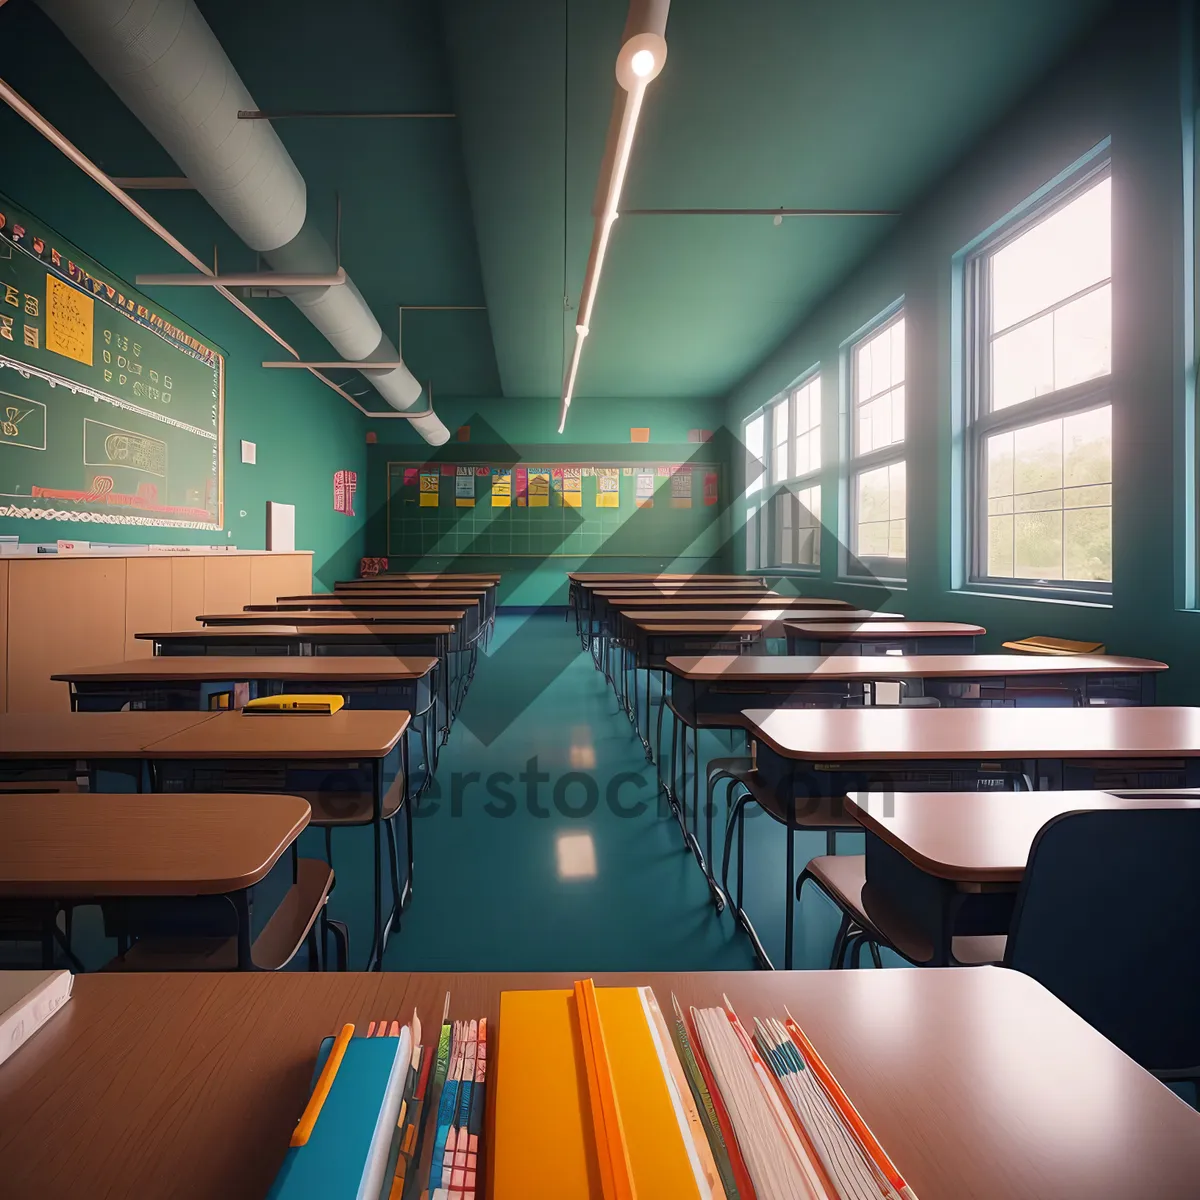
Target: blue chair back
(1108, 919)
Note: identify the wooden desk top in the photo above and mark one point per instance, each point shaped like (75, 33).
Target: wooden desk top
(775, 615)
(67, 735)
(370, 600)
(681, 629)
(334, 604)
(469, 587)
(851, 632)
(285, 631)
(590, 577)
(894, 734)
(356, 616)
(420, 577)
(911, 666)
(142, 845)
(977, 1082)
(798, 606)
(970, 837)
(350, 733)
(202, 667)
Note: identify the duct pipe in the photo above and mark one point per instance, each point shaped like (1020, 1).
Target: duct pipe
(166, 65)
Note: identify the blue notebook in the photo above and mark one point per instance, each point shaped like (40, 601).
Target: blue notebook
(347, 1155)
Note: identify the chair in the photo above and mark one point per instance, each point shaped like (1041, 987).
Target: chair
(1108, 917)
(821, 814)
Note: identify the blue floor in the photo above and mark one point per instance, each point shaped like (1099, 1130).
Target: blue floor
(542, 846)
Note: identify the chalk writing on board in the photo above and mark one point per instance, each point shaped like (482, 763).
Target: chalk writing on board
(108, 445)
(69, 318)
(22, 422)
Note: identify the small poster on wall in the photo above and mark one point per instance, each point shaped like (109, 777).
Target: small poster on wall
(429, 489)
(521, 485)
(572, 488)
(464, 488)
(608, 487)
(644, 495)
(710, 488)
(681, 489)
(345, 484)
(501, 487)
(539, 487)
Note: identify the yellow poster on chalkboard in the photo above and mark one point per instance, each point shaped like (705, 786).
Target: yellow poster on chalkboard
(501, 487)
(539, 487)
(608, 487)
(69, 321)
(572, 488)
(429, 489)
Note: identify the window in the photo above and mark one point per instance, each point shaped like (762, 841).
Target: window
(753, 439)
(1039, 300)
(878, 492)
(783, 445)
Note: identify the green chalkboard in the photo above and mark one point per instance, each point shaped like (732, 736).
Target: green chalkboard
(608, 508)
(111, 408)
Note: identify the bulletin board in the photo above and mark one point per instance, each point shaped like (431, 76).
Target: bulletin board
(111, 408)
(543, 509)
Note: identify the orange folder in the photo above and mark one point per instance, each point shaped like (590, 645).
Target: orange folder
(551, 1127)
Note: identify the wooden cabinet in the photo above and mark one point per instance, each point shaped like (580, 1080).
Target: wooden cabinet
(63, 611)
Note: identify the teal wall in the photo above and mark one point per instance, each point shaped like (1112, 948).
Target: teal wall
(595, 429)
(1123, 82)
(303, 431)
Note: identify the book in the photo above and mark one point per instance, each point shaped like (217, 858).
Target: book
(28, 999)
(346, 1154)
(588, 1090)
(295, 704)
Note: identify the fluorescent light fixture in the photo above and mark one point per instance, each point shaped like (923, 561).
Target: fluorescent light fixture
(642, 56)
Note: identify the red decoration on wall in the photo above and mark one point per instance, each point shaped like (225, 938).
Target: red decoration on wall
(371, 566)
(345, 484)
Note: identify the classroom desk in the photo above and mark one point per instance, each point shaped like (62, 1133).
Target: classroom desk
(49, 746)
(772, 619)
(943, 862)
(484, 592)
(351, 766)
(190, 1086)
(339, 639)
(87, 849)
(806, 755)
(727, 684)
(884, 637)
(471, 611)
(193, 681)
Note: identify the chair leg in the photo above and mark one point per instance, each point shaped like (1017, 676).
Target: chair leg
(314, 957)
(875, 956)
(837, 958)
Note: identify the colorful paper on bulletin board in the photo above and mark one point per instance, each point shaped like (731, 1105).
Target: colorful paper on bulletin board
(521, 485)
(608, 487)
(539, 488)
(681, 489)
(501, 487)
(572, 488)
(447, 468)
(710, 488)
(464, 488)
(485, 471)
(662, 470)
(429, 489)
(644, 493)
(411, 475)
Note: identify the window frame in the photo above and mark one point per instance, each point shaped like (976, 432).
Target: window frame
(859, 566)
(981, 424)
(764, 520)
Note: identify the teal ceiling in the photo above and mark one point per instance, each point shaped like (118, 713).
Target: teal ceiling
(765, 103)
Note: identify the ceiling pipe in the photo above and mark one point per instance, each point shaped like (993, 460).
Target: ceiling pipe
(166, 65)
(60, 141)
(639, 61)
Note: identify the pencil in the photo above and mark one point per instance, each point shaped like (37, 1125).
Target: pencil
(312, 1110)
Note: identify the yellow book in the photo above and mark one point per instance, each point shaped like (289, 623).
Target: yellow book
(295, 704)
(547, 1136)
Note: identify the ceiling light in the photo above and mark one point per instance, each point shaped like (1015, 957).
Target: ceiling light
(642, 63)
(639, 61)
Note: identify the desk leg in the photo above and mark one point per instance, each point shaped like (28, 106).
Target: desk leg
(646, 739)
(406, 894)
(446, 692)
(790, 915)
(241, 907)
(375, 959)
